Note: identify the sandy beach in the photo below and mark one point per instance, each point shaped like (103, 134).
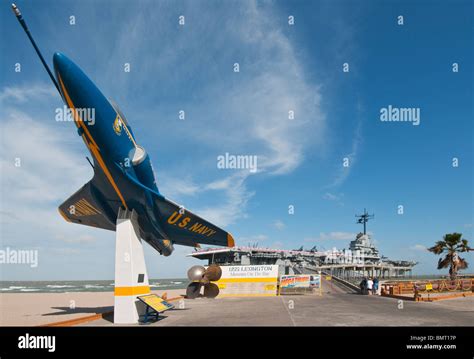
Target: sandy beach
(34, 309)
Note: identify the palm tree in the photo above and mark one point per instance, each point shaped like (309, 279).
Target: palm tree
(451, 245)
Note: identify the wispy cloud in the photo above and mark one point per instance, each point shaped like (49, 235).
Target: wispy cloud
(332, 236)
(351, 157)
(21, 94)
(82, 239)
(344, 172)
(277, 245)
(231, 192)
(176, 187)
(233, 206)
(279, 225)
(252, 239)
(419, 247)
(334, 197)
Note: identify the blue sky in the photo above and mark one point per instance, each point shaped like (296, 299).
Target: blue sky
(282, 68)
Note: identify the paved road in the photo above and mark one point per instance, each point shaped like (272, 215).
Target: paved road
(336, 307)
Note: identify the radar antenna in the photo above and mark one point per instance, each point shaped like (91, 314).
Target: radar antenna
(364, 218)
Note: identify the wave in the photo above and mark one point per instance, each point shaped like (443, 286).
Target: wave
(80, 286)
(60, 286)
(90, 286)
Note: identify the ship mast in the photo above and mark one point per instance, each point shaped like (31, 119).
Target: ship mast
(364, 218)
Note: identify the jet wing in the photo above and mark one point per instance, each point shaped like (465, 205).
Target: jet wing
(180, 225)
(188, 229)
(83, 208)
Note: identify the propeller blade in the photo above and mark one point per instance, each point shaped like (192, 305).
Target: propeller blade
(211, 290)
(193, 290)
(196, 273)
(213, 273)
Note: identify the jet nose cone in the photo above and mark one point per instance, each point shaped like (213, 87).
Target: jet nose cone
(64, 69)
(61, 64)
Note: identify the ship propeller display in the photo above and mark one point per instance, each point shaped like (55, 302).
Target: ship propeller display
(202, 277)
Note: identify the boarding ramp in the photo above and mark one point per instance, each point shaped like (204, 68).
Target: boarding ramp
(343, 284)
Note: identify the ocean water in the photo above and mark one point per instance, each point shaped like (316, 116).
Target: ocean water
(82, 286)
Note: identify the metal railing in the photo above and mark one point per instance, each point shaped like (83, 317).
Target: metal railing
(418, 288)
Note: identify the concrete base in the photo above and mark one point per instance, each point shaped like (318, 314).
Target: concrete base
(131, 278)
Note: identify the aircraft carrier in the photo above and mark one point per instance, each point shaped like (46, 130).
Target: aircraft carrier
(360, 260)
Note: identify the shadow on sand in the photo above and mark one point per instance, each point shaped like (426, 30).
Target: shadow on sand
(76, 310)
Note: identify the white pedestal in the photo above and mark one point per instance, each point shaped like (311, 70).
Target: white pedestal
(131, 278)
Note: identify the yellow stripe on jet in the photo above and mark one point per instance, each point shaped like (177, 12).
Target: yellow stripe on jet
(230, 240)
(92, 145)
(63, 215)
(77, 119)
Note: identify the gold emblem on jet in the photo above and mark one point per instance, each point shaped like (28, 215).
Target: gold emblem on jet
(84, 208)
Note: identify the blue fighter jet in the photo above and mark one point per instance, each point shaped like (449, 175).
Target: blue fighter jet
(123, 174)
